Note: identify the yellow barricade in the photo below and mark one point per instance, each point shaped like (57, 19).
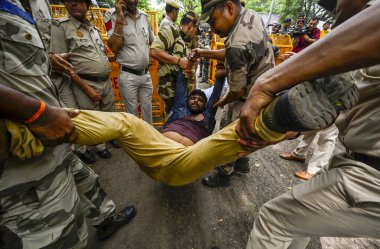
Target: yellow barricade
(283, 42)
(216, 43)
(96, 15)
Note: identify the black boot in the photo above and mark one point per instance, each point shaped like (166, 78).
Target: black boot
(216, 179)
(112, 224)
(242, 165)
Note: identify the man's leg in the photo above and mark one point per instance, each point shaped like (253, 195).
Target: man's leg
(129, 91)
(95, 203)
(300, 152)
(145, 97)
(341, 202)
(66, 95)
(85, 103)
(322, 153)
(324, 149)
(46, 216)
(166, 90)
(222, 176)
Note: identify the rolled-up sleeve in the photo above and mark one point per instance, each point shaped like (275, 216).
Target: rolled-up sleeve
(164, 40)
(237, 63)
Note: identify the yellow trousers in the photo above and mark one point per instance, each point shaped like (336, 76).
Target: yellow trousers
(159, 157)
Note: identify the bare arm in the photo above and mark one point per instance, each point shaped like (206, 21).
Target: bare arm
(53, 126)
(212, 54)
(163, 57)
(336, 53)
(115, 42)
(90, 92)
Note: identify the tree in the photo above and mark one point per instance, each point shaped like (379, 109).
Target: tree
(291, 8)
(188, 5)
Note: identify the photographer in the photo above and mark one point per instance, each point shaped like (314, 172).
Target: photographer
(299, 34)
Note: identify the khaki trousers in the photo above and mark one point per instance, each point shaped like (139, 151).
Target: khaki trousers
(161, 158)
(342, 201)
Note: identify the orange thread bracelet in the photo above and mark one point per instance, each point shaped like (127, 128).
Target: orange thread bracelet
(38, 113)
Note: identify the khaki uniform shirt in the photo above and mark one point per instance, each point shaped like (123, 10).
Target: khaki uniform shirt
(248, 52)
(359, 127)
(25, 68)
(42, 15)
(137, 35)
(85, 44)
(166, 21)
(170, 39)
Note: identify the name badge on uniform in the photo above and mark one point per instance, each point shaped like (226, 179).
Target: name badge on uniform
(79, 33)
(101, 45)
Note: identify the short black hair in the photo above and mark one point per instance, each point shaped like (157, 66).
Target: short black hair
(198, 92)
(169, 8)
(188, 18)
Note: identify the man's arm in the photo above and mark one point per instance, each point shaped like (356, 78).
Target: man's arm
(115, 28)
(163, 43)
(59, 47)
(211, 54)
(334, 54)
(52, 126)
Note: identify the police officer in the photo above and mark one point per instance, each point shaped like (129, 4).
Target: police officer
(170, 48)
(247, 54)
(171, 13)
(287, 29)
(129, 37)
(342, 201)
(92, 87)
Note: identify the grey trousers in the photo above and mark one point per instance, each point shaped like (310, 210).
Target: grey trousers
(343, 200)
(107, 104)
(135, 88)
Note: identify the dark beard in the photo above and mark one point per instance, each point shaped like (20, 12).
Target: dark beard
(196, 111)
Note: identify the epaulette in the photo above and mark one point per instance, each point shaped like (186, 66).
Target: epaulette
(58, 21)
(143, 13)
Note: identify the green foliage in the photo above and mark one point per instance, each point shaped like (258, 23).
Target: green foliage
(291, 8)
(187, 5)
(143, 5)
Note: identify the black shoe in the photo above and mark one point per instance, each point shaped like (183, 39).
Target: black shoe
(214, 180)
(87, 157)
(242, 165)
(104, 154)
(111, 225)
(115, 144)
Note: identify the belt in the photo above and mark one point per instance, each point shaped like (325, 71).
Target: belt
(132, 71)
(372, 161)
(93, 78)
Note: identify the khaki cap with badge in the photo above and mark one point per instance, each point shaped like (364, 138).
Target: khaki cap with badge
(173, 3)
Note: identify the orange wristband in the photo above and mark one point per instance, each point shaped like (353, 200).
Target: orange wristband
(38, 113)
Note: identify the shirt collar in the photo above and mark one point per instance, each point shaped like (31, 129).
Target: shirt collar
(78, 24)
(169, 19)
(138, 13)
